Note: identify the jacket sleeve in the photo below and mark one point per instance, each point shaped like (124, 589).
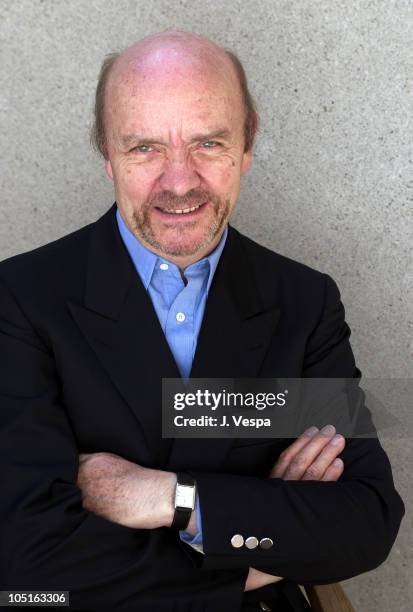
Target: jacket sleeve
(47, 540)
(322, 532)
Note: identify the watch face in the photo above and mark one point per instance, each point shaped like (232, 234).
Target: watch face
(185, 497)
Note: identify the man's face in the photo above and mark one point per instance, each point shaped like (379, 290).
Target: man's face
(175, 132)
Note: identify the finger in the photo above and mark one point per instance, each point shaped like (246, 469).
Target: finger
(318, 467)
(83, 457)
(304, 458)
(289, 453)
(334, 471)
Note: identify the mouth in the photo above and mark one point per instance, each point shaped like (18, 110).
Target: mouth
(180, 213)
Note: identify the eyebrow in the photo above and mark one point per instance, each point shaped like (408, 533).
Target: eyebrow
(134, 139)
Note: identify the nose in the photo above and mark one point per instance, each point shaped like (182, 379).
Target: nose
(179, 175)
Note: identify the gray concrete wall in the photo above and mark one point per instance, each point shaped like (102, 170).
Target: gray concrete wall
(332, 183)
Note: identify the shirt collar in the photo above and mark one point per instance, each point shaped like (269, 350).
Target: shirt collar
(145, 260)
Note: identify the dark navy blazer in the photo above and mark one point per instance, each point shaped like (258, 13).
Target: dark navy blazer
(82, 357)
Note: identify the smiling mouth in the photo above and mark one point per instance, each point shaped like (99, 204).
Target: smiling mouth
(180, 211)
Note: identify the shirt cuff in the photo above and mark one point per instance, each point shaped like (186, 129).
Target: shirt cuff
(196, 540)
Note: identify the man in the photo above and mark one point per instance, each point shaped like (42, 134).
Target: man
(161, 286)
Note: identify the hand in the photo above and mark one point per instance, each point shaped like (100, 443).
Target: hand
(257, 579)
(313, 456)
(126, 493)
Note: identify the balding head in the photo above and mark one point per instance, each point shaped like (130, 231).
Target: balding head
(166, 48)
(173, 53)
(175, 123)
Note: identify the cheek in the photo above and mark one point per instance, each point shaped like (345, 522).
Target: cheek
(223, 175)
(230, 180)
(134, 184)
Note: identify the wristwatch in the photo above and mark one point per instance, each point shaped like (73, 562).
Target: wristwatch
(185, 495)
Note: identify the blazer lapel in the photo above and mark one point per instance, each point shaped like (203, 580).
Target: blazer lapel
(121, 326)
(232, 343)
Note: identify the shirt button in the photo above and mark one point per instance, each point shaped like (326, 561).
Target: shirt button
(237, 541)
(251, 542)
(180, 317)
(164, 266)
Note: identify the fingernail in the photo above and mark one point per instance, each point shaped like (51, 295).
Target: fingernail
(328, 430)
(337, 463)
(311, 431)
(337, 440)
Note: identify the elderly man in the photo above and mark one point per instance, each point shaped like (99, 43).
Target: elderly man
(161, 286)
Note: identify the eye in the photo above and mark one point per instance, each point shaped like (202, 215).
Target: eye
(210, 144)
(143, 148)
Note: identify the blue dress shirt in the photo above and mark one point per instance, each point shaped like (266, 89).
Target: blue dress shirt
(179, 306)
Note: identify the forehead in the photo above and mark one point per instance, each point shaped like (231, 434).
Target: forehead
(171, 89)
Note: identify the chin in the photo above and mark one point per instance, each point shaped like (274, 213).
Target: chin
(181, 246)
(182, 249)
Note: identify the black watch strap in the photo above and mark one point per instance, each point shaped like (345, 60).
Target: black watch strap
(182, 514)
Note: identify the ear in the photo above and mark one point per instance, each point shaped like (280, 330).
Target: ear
(246, 162)
(108, 169)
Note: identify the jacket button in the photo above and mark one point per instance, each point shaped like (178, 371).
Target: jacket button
(237, 541)
(266, 543)
(251, 542)
(264, 607)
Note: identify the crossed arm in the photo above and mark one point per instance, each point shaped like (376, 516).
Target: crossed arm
(134, 496)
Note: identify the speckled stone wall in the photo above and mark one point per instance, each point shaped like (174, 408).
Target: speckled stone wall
(332, 182)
